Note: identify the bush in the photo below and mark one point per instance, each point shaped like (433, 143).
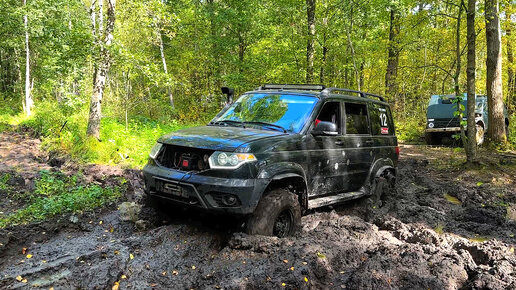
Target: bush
(63, 129)
(57, 194)
(410, 130)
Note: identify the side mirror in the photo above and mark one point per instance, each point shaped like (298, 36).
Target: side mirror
(325, 129)
(229, 92)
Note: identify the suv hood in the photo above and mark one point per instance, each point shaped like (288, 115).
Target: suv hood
(216, 137)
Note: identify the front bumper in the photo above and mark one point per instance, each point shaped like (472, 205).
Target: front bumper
(202, 191)
(448, 129)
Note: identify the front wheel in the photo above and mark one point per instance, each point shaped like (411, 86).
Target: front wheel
(278, 214)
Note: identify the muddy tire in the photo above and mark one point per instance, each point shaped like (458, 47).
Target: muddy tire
(432, 139)
(382, 187)
(278, 214)
(480, 134)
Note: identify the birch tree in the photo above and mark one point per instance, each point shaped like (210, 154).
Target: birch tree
(27, 104)
(103, 39)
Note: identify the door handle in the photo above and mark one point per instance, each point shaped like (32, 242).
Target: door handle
(369, 142)
(339, 143)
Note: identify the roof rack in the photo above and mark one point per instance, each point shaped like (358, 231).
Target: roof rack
(360, 93)
(304, 87)
(323, 89)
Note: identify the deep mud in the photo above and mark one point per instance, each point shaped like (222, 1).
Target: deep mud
(437, 231)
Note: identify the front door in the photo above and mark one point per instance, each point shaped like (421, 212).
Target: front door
(327, 168)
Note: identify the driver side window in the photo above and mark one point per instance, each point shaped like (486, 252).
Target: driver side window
(330, 112)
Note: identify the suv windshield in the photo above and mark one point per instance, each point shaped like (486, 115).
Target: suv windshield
(282, 110)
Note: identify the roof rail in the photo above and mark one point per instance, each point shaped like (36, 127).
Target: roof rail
(304, 87)
(360, 93)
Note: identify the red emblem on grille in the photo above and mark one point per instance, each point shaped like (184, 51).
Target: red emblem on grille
(385, 130)
(185, 163)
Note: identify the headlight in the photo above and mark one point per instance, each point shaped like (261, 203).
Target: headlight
(224, 160)
(155, 150)
(430, 125)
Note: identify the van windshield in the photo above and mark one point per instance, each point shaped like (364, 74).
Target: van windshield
(285, 110)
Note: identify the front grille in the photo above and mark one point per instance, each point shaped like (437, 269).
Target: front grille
(184, 158)
(446, 123)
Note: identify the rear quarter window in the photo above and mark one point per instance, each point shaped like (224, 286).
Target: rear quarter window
(381, 120)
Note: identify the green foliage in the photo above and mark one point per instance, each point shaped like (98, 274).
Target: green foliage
(4, 178)
(411, 130)
(63, 129)
(57, 194)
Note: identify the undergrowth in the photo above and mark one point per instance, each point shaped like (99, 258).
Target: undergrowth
(63, 129)
(56, 193)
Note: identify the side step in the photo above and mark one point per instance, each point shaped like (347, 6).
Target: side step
(334, 199)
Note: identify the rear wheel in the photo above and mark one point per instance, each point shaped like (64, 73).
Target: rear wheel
(480, 134)
(278, 214)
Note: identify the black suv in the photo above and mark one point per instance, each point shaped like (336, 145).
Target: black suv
(277, 152)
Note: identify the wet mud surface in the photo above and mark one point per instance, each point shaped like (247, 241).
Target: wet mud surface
(438, 230)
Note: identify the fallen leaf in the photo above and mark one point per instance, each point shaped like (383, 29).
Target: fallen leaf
(511, 250)
(29, 256)
(131, 256)
(306, 280)
(292, 268)
(305, 263)
(111, 229)
(117, 252)
(164, 273)
(24, 281)
(123, 277)
(153, 284)
(285, 261)
(44, 261)
(24, 251)
(51, 288)
(193, 267)
(175, 272)
(320, 255)
(116, 286)
(100, 222)
(19, 278)
(283, 284)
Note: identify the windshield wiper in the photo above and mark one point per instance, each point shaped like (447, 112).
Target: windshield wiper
(267, 124)
(229, 122)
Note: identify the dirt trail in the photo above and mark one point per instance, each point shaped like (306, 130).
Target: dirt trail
(417, 240)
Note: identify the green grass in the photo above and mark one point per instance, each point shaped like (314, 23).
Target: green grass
(63, 129)
(56, 194)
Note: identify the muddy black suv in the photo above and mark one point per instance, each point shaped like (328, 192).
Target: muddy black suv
(277, 152)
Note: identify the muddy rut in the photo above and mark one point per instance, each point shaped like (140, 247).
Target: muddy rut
(418, 239)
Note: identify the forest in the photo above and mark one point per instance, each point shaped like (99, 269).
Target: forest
(88, 86)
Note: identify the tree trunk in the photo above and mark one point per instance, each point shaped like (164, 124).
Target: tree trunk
(324, 47)
(496, 128)
(471, 145)
(310, 49)
(27, 105)
(105, 39)
(162, 52)
(456, 76)
(391, 86)
(511, 72)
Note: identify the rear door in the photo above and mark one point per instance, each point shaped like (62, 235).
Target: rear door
(382, 130)
(358, 142)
